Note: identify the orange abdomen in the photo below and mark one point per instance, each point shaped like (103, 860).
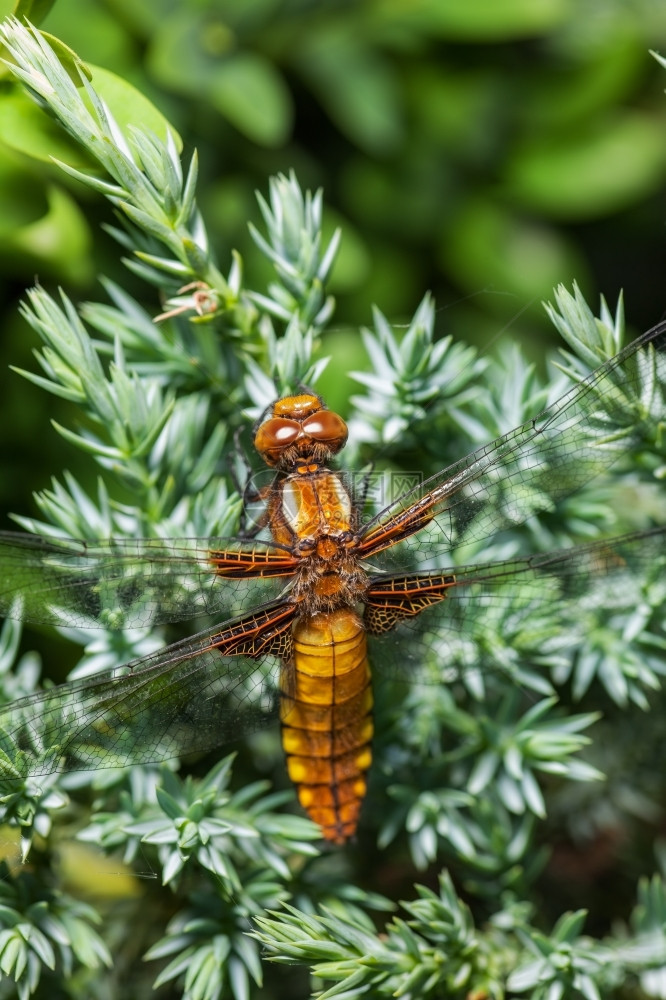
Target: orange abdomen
(325, 708)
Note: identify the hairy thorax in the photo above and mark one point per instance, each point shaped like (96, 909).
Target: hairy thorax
(314, 513)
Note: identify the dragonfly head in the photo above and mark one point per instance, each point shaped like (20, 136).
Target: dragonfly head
(300, 429)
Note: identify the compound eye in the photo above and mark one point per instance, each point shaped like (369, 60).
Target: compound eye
(325, 425)
(276, 434)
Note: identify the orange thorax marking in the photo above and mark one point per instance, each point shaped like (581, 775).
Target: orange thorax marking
(315, 505)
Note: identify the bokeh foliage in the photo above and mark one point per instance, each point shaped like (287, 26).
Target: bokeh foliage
(484, 151)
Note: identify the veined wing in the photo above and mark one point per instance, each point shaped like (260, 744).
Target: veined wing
(491, 615)
(535, 465)
(130, 583)
(190, 696)
(221, 684)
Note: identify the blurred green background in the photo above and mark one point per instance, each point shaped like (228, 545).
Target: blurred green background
(484, 150)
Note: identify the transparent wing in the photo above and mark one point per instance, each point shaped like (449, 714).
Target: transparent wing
(535, 465)
(190, 696)
(222, 683)
(126, 583)
(495, 616)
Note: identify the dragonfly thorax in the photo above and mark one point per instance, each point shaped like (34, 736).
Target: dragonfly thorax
(329, 578)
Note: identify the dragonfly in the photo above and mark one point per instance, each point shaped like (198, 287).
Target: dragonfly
(315, 600)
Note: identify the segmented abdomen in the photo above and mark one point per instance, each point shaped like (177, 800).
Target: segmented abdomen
(325, 709)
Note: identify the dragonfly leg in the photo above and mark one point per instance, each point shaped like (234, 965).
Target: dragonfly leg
(243, 485)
